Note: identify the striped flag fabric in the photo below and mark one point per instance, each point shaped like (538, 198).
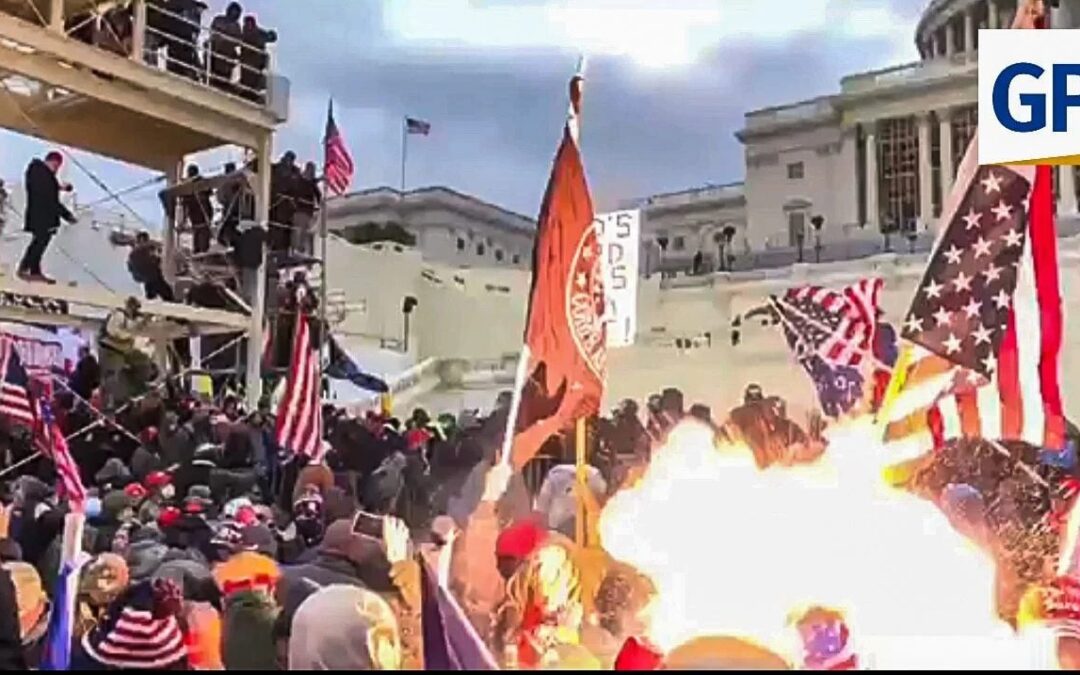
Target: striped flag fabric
(338, 166)
(987, 318)
(417, 127)
(54, 446)
(839, 325)
(15, 401)
(298, 426)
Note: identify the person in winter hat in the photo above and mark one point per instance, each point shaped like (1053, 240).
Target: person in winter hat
(825, 639)
(344, 628)
(34, 610)
(101, 582)
(308, 515)
(140, 631)
(247, 582)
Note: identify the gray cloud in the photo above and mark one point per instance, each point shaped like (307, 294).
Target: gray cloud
(496, 114)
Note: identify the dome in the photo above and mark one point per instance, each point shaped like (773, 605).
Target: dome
(946, 26)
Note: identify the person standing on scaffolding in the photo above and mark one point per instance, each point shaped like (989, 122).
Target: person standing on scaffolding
(43, 213)
(224, 46)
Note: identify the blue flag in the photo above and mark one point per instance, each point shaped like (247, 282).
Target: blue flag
(62, 622)
(342, 367)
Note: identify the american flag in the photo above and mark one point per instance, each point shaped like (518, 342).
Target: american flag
(415, 126)
(987, 317)
(54, 446)
(15, 401)
(839, 388)
(987, 324)
(837, 325)
(338, 166)
(299, 425)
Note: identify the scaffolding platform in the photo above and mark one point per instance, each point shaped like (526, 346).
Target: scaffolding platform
(72, 306)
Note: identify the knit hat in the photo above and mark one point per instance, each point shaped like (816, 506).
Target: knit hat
(259, 539)
(140, 630)
(136, 492)
(103, 579)
(157, 479)
(29, 595)
(826, 640)
(520, 540)
(247, 571)
(169, 516)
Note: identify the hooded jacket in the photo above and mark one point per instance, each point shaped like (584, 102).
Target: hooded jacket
(247, 638)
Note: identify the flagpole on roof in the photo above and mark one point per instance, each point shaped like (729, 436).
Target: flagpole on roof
(522, 371)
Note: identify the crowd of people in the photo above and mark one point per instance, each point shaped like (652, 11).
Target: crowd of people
(232, 57)
(247, 557)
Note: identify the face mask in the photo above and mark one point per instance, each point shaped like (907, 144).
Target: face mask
(168, 492)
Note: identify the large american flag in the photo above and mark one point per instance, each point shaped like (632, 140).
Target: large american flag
(54, 446)
(299, 425)
(15, 401)
(837, 325)
(338, 164)
(987, 319)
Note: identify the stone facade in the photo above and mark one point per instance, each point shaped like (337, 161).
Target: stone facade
(450, 228)
(880, 154)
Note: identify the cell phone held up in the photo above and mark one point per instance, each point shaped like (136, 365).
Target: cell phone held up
(368, 524)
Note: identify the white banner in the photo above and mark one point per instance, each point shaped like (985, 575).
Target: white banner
(619, 234)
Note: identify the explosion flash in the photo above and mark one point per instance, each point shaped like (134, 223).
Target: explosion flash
(734, 551)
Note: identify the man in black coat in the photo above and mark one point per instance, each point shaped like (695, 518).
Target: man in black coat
(43, 213)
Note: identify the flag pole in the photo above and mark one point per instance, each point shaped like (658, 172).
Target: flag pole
(523, 361)
(580, 462)
(404, 149)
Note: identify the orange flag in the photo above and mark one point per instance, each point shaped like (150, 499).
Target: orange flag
(564, 332)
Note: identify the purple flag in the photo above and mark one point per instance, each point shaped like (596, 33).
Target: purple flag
(450, 641)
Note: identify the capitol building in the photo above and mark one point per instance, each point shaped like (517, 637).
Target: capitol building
(879, 155)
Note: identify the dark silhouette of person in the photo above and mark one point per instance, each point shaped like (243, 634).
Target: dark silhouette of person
(182, 21)
(254, 59)
(43, 213)
(144, 263)
(199, 211)
(224, 45)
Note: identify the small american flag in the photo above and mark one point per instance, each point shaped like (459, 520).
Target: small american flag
(14, 385)
(299, 425)
(837, 325)
(415, 126)
(54, 446)
(338, 166)
(839, 388)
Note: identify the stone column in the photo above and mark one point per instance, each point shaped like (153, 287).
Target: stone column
(937, 48)
(948, 171)
(969, 30)
(926, 172)
(1067, 190)
(871, 178)
(950, 39)
(993, 14)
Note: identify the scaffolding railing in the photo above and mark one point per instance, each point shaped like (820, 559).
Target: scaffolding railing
(158, 37)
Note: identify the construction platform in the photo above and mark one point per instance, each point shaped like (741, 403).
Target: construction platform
(130, 100)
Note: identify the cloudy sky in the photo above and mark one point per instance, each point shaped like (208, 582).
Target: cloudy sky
(668, 83)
